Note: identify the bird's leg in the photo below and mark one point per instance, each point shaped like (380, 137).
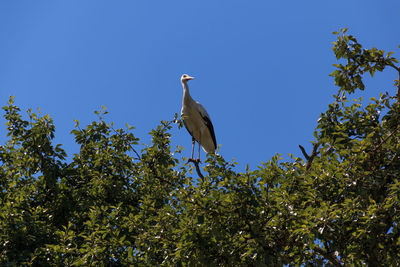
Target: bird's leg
(198, 158)
(193, 142)
(195, 161)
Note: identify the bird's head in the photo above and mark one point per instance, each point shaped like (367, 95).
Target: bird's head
(186, 78)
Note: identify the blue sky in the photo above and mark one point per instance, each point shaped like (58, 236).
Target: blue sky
(261, 67)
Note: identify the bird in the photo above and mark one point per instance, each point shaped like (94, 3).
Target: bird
(197, 121)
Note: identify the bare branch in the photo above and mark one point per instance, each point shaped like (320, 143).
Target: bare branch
(310, 157)
(196, 163)
(304, 152)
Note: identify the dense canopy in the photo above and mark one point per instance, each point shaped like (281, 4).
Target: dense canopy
(114, 204)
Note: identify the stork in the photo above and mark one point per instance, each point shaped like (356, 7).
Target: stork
(197, 121)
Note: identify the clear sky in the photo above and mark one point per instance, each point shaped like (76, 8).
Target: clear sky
(261, 67)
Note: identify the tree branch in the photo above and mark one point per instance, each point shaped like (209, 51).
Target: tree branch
(328, 256)
(304, 152)
(386, 138)
(196, 163)
(310, 157)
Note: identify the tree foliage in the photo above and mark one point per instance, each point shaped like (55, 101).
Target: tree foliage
(113, 205)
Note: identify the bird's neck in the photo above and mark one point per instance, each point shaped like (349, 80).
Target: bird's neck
(186, 94)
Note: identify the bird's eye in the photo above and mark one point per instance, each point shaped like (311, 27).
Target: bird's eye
(184, 75)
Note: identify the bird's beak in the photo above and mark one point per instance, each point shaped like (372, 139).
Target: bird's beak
(189, 78)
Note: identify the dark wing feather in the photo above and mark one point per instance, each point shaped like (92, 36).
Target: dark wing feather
(210, 127)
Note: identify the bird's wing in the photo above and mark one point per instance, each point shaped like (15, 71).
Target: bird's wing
(207, 121)
(185, 123)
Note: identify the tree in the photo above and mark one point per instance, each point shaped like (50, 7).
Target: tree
(114, 205)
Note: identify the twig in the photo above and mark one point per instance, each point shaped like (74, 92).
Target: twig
(386, 138)
(137, 154)
(134, 150)
(310, 157)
